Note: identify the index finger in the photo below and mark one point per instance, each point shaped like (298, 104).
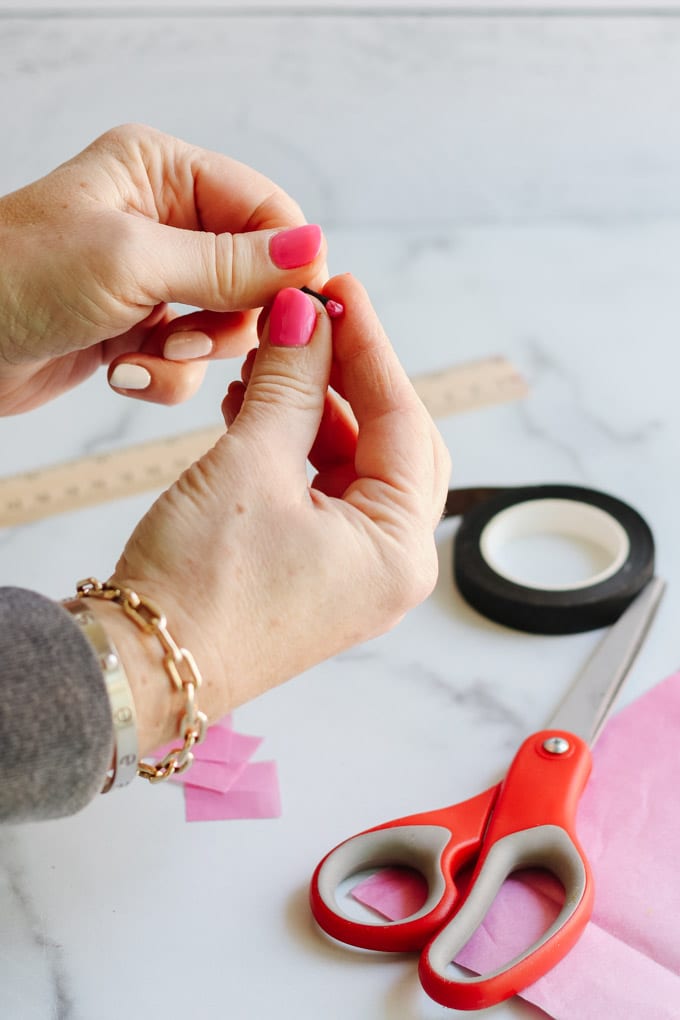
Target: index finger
(211, 191)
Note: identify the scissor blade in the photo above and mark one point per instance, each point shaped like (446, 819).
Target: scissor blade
(588, 702)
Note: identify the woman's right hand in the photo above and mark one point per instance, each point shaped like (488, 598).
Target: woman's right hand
(261, 573)
(95, 255)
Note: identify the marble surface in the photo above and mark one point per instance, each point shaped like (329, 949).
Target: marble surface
(501, 187)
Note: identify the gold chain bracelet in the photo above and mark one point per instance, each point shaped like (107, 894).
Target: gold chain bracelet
(178, 663)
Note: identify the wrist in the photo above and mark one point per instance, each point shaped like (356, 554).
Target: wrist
(180, 669)
(158, 706)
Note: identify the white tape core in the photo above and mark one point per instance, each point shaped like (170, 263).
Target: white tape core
(558, 519)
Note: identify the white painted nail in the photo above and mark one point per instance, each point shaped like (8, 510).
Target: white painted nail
(130, 377)
(187, 344)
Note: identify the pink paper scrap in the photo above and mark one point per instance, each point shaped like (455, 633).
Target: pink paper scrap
(393, 892)
(215, 747)
(255, 794)
(220, 774)
(222, 783)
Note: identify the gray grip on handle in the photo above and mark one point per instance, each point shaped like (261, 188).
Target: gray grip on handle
(546, 846)
(413, 846)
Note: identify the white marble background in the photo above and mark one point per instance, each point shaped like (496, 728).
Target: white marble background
(502, 184)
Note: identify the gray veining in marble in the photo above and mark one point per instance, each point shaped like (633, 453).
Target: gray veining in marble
(501, 185)
(37, 957)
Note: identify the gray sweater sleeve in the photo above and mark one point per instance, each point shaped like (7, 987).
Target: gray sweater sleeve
(56, 733)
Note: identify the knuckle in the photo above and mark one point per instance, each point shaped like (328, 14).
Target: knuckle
(281, 387)
(277, 208)
(122, 138)
(408, 577)
(221, 267)
(419, 571)
(122, 132)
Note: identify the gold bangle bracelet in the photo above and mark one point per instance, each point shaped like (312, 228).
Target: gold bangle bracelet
(124, 762)
(179, 665)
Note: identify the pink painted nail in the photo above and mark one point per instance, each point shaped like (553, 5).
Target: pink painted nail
(292, 319)
(295, 247)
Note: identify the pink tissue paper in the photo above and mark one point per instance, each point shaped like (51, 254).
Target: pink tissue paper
(222, 783)
(254, 795)
(221, 773)
(627, 963)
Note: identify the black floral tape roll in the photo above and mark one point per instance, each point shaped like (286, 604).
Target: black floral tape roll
(507, 514)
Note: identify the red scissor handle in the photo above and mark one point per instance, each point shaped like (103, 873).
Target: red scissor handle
(532, 826)
(437, 844)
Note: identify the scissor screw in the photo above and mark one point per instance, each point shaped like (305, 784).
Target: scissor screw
(556, 745)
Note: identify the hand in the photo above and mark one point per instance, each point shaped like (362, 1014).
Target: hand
(261, 575)
(92, 255)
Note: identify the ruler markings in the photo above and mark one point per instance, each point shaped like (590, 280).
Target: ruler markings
(87, 481)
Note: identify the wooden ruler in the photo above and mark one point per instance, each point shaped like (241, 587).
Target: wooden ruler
(88, 481)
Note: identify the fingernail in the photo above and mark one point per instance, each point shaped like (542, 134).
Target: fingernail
(187, 344)
(292, 319)
(129, 377)
(295, 247)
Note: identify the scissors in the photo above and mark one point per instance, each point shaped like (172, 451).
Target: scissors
(526, 820)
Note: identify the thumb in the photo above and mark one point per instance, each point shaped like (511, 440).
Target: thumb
(228, 272)
(284, 398)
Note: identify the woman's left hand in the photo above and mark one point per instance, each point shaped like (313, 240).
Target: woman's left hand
(263, 574)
